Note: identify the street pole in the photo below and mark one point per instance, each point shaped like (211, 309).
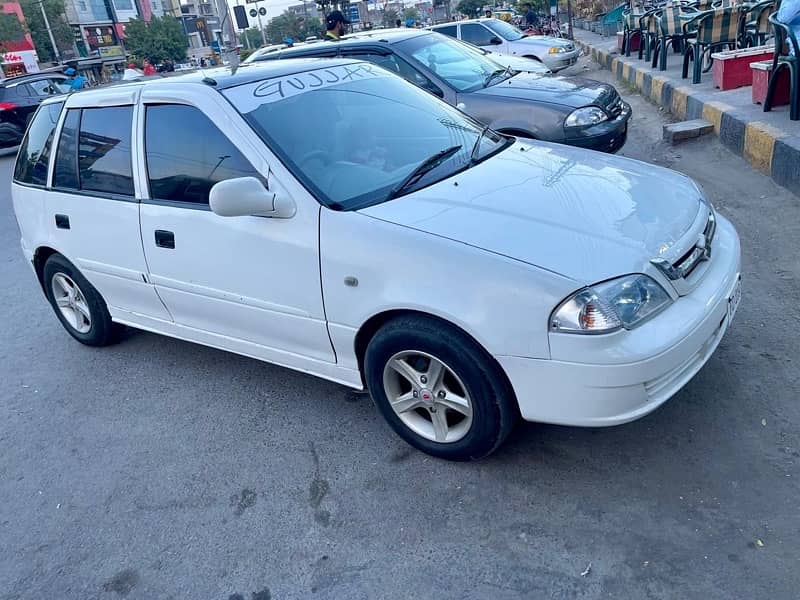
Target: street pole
(569, 18)
(260, 26)
(50, 32)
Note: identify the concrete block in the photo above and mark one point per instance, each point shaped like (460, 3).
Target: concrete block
(685, 130)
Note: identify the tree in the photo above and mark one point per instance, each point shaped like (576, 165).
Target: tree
(289, 25)
(159, 40)
(62, 32)
(10, 30)
(471, 8)
(390, 17)
(411, 13)
(251, 38)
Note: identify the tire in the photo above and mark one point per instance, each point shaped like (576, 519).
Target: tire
(58, 276)
(479, 425)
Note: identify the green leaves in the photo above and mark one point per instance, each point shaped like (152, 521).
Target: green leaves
(62, 32)
(159, 40)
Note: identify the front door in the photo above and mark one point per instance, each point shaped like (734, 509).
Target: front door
(250, 279)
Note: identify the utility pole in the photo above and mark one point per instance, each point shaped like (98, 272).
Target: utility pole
(50, 32)
(569, 19)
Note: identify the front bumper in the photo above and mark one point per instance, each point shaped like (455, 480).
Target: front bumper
(557, 62)
(608, 136)
(604, 380)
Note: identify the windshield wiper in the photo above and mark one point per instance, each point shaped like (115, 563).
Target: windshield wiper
(494, 74)
(473, 156)
(427, 165)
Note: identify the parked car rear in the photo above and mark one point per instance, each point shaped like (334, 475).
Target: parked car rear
(19, 99)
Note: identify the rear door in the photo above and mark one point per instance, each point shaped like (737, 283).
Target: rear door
(92, 211)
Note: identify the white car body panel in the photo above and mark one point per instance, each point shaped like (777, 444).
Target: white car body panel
(493, 250)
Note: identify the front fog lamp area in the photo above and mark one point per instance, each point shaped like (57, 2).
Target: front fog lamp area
(604, 307)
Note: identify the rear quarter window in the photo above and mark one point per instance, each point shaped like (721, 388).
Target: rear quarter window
(34, 153)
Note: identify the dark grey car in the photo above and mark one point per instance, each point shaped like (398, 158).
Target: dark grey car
(570, 110)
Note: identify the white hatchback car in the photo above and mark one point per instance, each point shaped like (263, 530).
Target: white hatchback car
(465, 278)
(504, 38)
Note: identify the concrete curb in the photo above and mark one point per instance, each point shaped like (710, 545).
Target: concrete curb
(770, 150)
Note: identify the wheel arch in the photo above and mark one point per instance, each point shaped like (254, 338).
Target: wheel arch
(371, 326)
(40, 257)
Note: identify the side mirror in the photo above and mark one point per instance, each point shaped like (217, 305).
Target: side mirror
(496, 41)
(247, 196)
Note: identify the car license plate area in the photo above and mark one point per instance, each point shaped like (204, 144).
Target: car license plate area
(734, 298)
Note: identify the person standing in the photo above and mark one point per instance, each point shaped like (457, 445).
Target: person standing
(334, 24)
(149, 69)
(76, 82)
(531, 20)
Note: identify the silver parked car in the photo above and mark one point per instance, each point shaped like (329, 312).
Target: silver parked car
(504, 38)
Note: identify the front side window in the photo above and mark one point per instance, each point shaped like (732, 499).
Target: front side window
(395, 64)
(477, 34)
(42, 87)
(314, 121)
(505, 30)
(453, 61)
(187, 154)
(34, 153)
(104, 150)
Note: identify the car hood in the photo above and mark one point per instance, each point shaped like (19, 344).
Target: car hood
(568, 91)
(582, 214)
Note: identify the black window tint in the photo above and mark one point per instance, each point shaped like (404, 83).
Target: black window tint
(34, 155)
(397, 65)
(187, 154)
(104, 150)
(66, 168)
(476, 34)
(450, 30)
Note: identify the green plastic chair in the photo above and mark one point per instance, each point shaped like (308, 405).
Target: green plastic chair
(780, 60)
(714, 29)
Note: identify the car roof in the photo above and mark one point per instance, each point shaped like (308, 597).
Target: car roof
(362, 38)
(221, 78)
(11, 81)
(481, 20)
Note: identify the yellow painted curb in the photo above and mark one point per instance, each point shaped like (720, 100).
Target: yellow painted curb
(679, 97)
(614, 62)
(712, 112)
(639, 79)
(655, 88)
(626, 72)
(759, 144)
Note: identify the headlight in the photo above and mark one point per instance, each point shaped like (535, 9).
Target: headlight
(588, 115)
(557, 49)
(604, 307)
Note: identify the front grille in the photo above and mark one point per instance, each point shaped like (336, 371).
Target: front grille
(615, 108)
(701, 251)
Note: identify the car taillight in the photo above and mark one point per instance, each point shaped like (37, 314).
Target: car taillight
(7, 105)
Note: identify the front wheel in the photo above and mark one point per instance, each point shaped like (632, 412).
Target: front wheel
(438, 389)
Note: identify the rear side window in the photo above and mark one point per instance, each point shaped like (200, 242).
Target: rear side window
(34, 154)
(187, 154)
(104, 150)
(477, 34)
(447, 30)
(66, 169)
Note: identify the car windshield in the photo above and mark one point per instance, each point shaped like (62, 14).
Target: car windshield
(505, 30)
(459, 66)
(353, 133)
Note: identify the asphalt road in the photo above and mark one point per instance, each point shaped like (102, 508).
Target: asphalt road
(162, 469)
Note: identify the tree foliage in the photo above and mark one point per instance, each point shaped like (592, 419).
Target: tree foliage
(289, 25)
(159, 40)
(251, 37)
(471, 8)
(411, 13)
(10, 30)
(62, 32)
(390, 17)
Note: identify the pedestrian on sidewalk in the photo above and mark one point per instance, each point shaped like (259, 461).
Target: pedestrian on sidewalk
(334, 23)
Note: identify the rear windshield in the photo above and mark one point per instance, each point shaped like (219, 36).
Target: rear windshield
(34, 154)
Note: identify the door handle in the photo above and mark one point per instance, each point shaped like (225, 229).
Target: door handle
(165, 239)
(62, 221)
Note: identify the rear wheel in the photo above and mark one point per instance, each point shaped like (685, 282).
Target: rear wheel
(77, 304)
(438, 389)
